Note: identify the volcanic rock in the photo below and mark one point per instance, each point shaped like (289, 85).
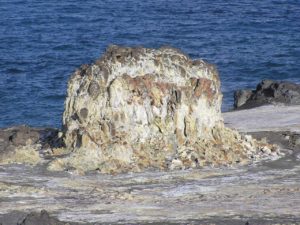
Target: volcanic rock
(22, 144)
(42, 218)
(241, 97)
(268, 92)
(138, 108)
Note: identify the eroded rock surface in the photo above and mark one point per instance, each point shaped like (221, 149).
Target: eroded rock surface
(268, 92)
(136, 108)
(23, 144)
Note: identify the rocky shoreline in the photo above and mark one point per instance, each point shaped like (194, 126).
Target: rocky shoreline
(205, 196)
(144, 142)
(268, 92)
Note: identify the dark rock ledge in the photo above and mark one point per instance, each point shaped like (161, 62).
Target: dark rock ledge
(268, 92)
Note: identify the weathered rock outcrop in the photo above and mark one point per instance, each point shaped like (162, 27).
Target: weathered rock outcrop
(136, 108)
(268, 92)
(23, 144)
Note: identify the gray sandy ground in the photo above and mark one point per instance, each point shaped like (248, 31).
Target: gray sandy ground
(263, 193)
(265, 118)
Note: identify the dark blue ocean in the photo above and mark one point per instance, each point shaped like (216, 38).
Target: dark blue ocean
(42, 42)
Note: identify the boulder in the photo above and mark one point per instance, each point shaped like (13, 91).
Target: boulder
(268, 92)
(138, 108)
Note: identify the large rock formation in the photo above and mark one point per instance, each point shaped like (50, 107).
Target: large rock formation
(268, 92)
(136, 108)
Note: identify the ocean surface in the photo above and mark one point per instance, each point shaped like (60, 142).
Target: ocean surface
(42, 42)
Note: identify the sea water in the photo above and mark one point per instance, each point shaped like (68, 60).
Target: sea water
(42, 42)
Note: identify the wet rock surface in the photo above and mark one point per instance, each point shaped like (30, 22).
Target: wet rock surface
(139, 108)
(268, 92)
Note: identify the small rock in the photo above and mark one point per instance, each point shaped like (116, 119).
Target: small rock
(287, 137)
(297, 142)
(84, 113)
(266, 150)
(248, 138)
(176, 164)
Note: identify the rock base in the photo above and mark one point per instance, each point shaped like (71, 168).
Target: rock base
(226, 148)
